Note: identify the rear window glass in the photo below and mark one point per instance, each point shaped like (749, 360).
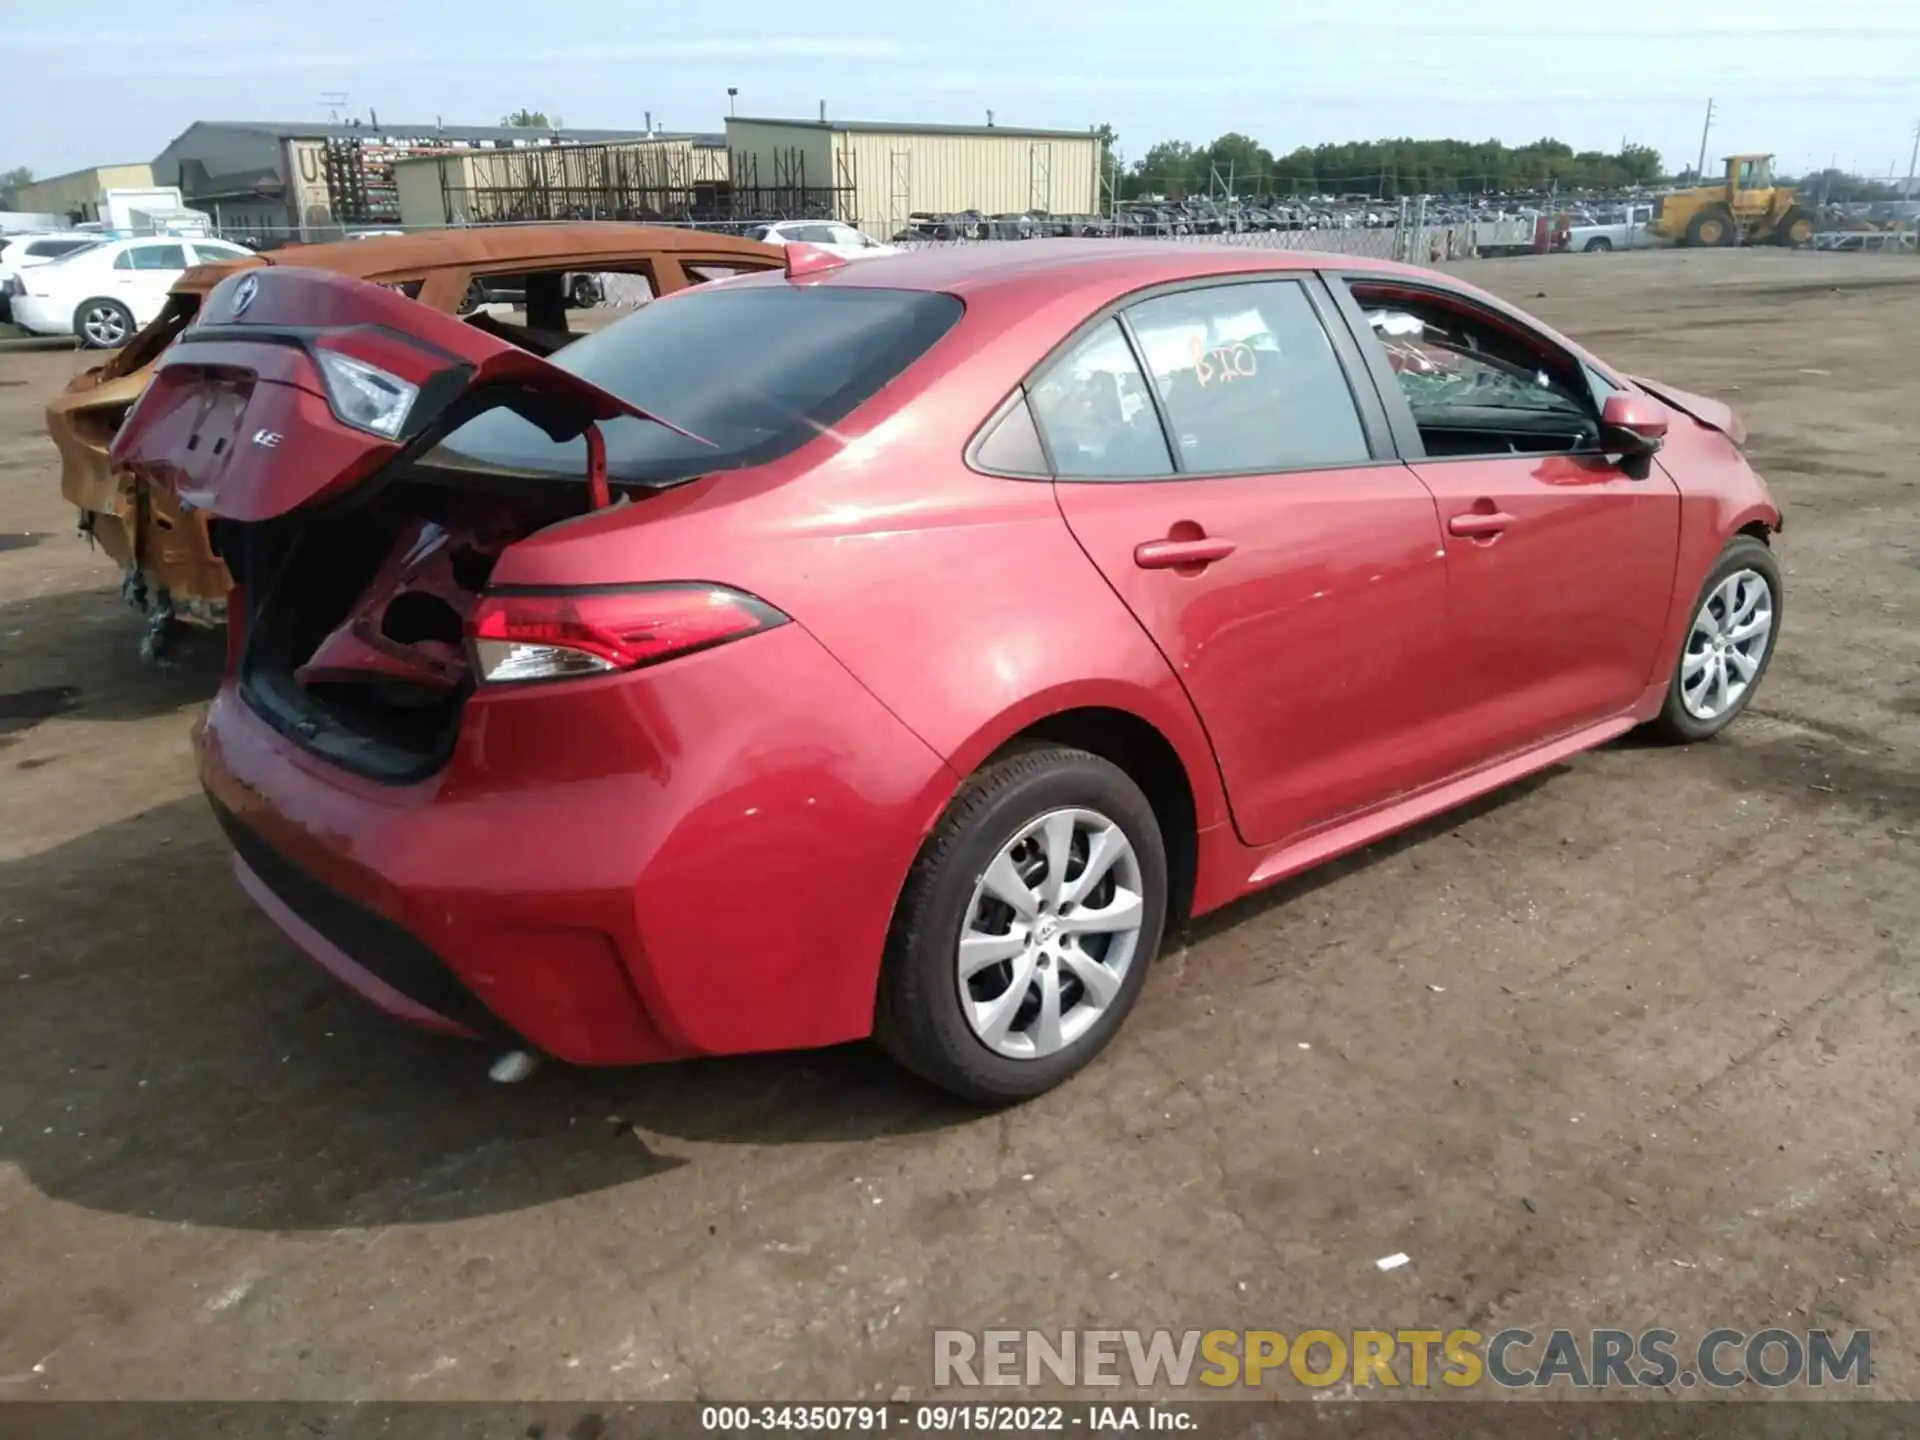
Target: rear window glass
(755, 371)
(53, 249)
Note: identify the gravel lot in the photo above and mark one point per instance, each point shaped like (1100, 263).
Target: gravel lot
(1632, 1043)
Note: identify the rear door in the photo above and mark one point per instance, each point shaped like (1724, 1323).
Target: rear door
(1560, 559)
(1287, 566)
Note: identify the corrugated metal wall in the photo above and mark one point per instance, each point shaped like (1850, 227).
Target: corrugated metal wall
(895, 174)
(418, 184)
(766, 150)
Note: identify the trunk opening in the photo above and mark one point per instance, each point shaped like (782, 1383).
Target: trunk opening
(355, 625)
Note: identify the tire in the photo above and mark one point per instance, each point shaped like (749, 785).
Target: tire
(1681, 722)
(583, 292)
(1599, 245)
(1711, 227)
(1795, 228)
(473, 299)
(102, 324)
(929, 1018)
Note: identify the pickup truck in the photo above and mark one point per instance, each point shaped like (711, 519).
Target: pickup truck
(1625, 228)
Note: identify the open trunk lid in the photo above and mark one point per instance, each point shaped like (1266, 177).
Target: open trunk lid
(297, 385)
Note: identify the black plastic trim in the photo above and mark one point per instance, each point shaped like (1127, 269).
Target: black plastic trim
(389, 951)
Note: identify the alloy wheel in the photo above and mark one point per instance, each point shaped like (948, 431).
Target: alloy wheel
(1051, 930)
(1728, 641)
(105, 326)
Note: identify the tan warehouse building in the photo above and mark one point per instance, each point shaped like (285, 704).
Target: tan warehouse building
(876, 174)
(79, 194)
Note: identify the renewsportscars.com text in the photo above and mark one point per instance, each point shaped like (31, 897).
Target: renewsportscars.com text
(1513, 1359)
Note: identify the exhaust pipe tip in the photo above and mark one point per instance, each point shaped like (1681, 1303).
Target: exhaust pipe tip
(513, 1067)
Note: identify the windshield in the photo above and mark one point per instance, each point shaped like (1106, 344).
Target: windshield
(755, 371)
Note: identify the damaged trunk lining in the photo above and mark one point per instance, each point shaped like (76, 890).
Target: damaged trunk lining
(355, 643)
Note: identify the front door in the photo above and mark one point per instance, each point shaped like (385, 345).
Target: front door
(1560, 563)
(145, 274)
(1214, 462)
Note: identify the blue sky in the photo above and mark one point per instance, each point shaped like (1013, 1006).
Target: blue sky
(114, 80)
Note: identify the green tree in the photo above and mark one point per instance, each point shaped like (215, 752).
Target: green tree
(530, 120)
(12, 180)
(1388, 168)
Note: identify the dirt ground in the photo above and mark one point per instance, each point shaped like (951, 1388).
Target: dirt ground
(1630, 1044)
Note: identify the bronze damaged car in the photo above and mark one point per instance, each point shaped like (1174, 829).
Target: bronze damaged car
(168, 568)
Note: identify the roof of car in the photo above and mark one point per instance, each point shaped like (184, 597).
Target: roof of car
(571, 244)
(963, 268)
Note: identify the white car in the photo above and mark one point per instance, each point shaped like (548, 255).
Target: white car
(104, 293)
(23, 252)
(829, 235)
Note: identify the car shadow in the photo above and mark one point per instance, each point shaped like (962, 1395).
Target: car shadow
(171, 1056)
(78, 652)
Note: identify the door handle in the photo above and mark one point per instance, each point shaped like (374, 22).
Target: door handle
(1480, 523)
(1177, 554)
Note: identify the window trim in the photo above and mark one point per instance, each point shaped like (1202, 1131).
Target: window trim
(1406, 431)
(1015, 398)
(1375, 418)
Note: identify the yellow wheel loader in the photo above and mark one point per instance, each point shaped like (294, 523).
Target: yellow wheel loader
(1746, 208)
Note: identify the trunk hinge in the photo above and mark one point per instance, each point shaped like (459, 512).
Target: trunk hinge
(599, 496)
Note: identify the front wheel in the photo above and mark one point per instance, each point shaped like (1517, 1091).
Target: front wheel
(1795, 228)
(1024, 933)
(584, 292)
(1735, 622)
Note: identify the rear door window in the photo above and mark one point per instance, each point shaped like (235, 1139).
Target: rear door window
(1249, 380)
(1093, 409)
(159, 257)
(756, 370)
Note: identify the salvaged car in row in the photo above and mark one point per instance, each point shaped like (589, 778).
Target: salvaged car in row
(168, 569)
(902, 647)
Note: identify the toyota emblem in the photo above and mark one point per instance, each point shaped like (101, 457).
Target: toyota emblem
(243, 295)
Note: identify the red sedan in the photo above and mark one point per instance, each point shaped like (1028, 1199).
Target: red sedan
(901, 648)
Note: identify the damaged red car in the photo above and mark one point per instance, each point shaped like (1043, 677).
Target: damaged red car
(903, 648)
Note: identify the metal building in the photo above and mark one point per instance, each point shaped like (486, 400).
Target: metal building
(875, 175)
(310, 178)
(80, 194)
(658, 177)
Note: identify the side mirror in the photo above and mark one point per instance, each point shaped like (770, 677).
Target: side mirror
(1633, 427)
(1633, 422)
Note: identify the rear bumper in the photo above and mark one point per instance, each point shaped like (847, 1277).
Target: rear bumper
(38, 315)
(697, 859)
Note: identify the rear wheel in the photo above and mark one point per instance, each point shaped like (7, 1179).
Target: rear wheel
(584, 292)
(103, 324)
(1735, 622)
(1795, 228)
(1597, 244)
(1025, 930)
(1710, 227)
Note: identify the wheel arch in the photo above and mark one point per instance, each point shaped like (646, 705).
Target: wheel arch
(1151, 762)
(1161, 747)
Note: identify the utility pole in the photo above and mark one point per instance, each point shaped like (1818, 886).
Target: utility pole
(1700, 170)
(1913, 160)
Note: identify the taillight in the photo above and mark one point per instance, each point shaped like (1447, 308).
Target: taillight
(518, 636)
(365, 396)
